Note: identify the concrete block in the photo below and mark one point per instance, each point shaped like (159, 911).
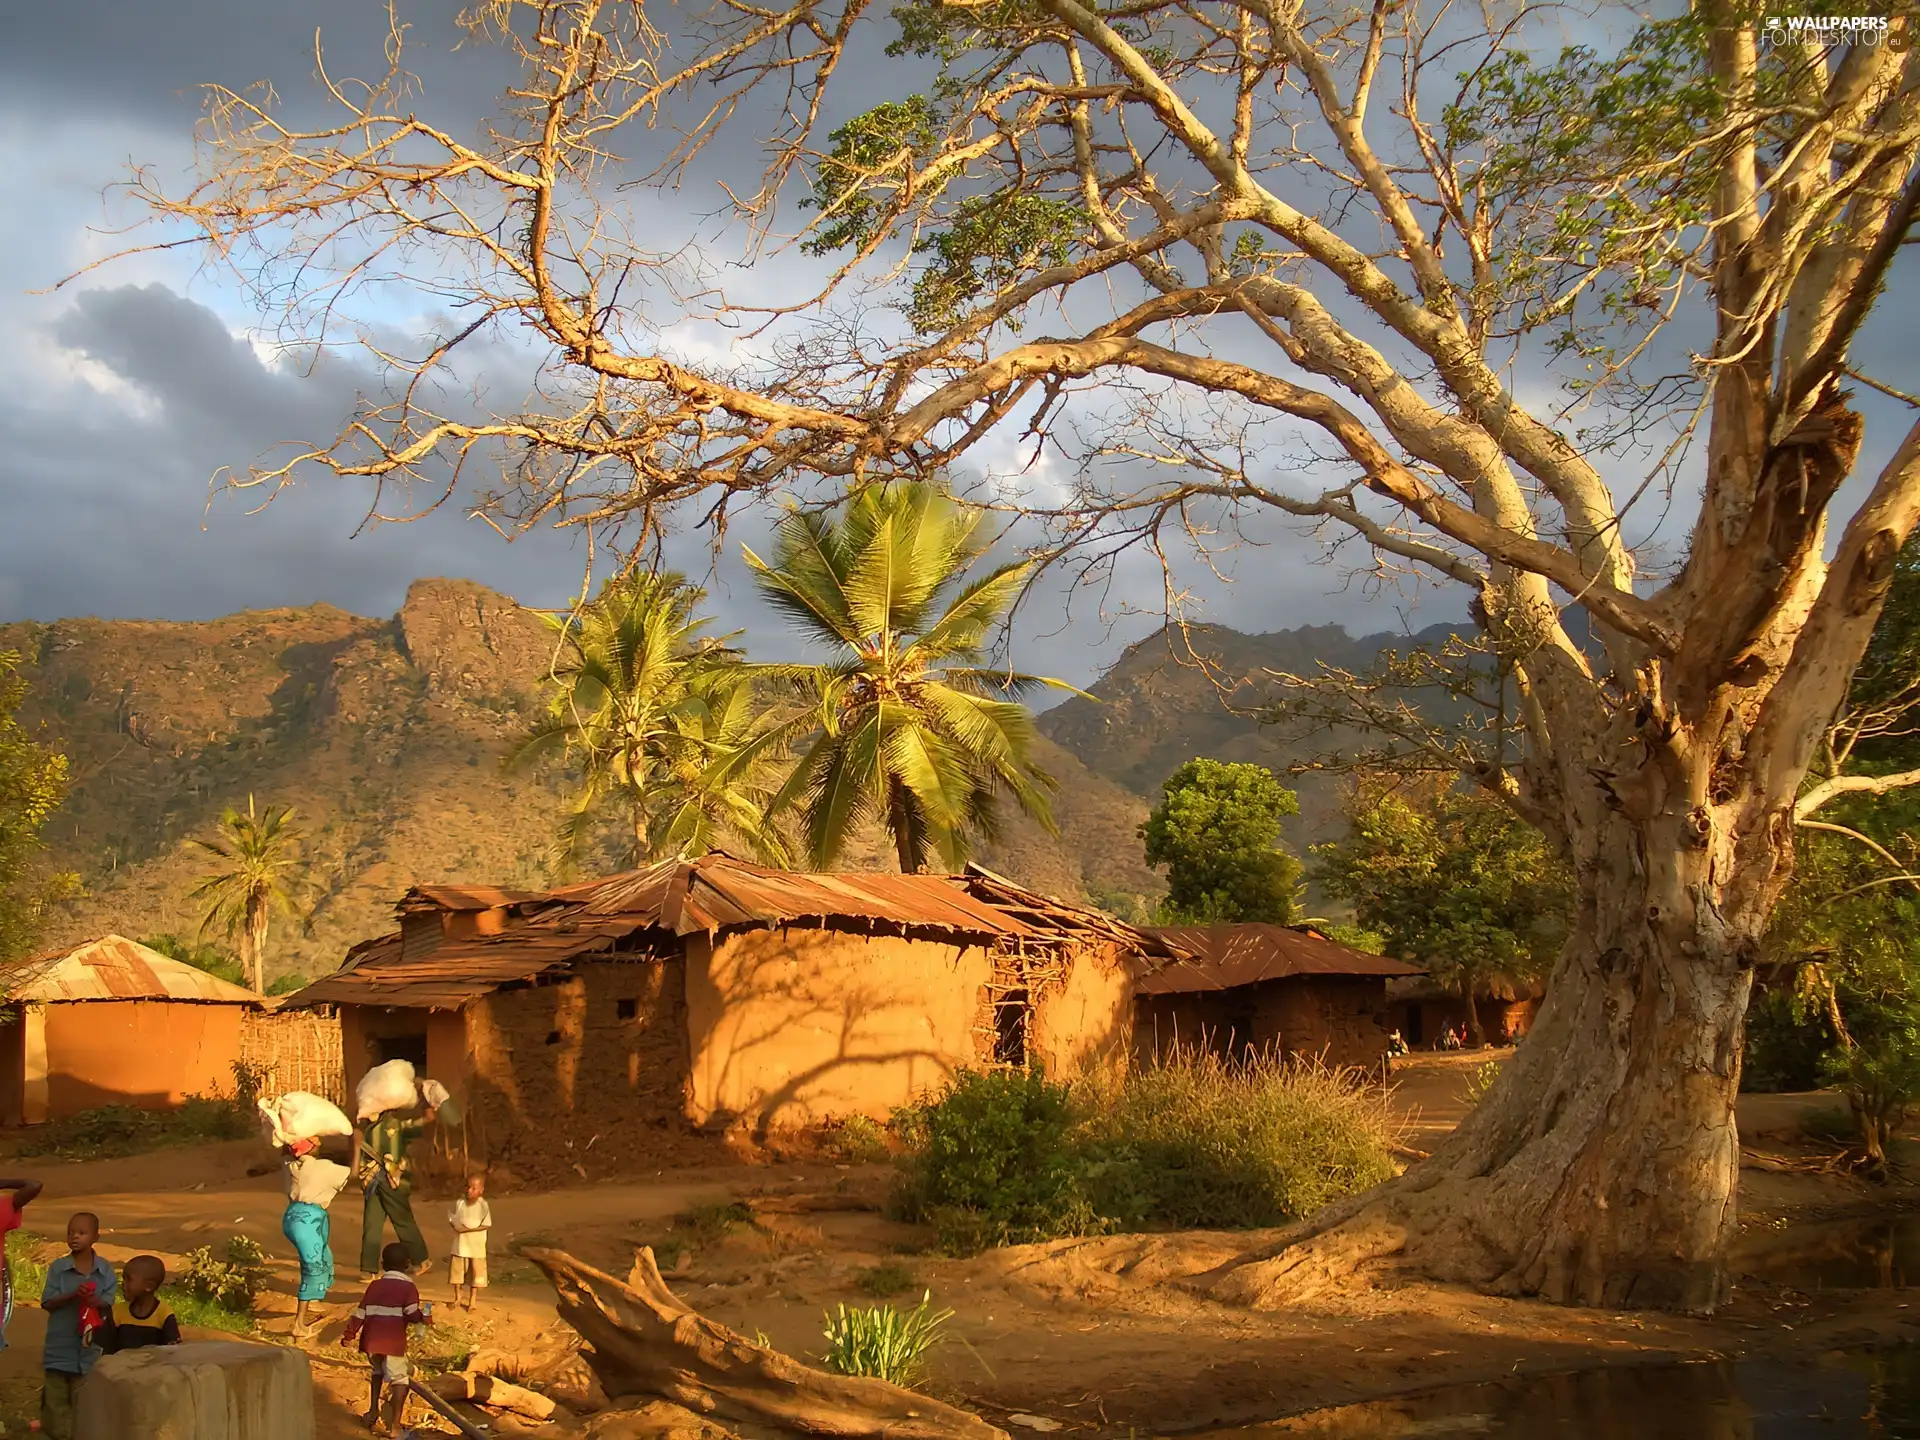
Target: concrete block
(206, 1390)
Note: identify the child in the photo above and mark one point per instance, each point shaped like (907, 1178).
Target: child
(471, 1219)
(380, 1322)
(141, 1317)
(20, 1194)
(79, 1285)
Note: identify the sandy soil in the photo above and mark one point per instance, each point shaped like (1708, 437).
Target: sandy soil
(1086, 1332)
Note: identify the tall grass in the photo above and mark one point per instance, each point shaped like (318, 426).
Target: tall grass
(1202, 1141)
(1196, 1142)
(883, 1343)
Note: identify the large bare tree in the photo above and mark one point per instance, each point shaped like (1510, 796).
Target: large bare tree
(1242, 257)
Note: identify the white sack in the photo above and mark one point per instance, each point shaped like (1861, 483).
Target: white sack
(386, 1087)
(298, 1115)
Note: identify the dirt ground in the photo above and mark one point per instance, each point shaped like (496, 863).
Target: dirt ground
(1084, 1332)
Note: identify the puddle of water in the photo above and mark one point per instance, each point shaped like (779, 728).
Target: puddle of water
(1879, 1254)
(1870, 1398)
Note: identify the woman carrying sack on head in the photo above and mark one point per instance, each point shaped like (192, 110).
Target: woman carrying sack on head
(312, 1182)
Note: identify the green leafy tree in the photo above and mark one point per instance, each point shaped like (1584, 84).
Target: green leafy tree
(659, 723)
(913, 728)
(259, 871)
(1452, 881)
(213, 959)
(1217, 830)
(33, 783)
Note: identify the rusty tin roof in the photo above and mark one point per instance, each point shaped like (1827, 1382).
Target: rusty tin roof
(1227, 956)
(714, 893)
(115, 968)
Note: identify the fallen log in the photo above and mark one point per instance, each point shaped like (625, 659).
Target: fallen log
(646, 1341)
(493, 1393)
(445, 1411)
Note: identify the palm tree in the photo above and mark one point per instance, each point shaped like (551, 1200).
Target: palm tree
(659, 718)
(261, 871)
(912, 728)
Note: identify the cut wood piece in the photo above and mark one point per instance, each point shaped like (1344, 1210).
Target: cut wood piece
(494, 1393)
(645, 1340)
(203, 1390)
(656, 1420)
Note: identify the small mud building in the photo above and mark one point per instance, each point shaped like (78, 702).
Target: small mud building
(114, 1023)
(721, 993)
(1422, 1009)
(1246, 988)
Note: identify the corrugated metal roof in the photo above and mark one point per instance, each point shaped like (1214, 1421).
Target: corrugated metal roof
(683, 897)
(464, 897)
(717, 892)
(116, 968)
(1226, 956)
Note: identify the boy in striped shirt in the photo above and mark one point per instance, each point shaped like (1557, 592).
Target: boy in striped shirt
(379, 1323)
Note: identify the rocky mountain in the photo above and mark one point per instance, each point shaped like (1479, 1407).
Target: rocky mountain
(387, 737)
(1160, 706)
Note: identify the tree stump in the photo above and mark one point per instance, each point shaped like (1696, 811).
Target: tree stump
(206, 1390)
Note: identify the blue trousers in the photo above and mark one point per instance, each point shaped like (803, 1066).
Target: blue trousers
(306, 1227)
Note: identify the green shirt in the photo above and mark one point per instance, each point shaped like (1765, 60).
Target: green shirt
(390, 1138)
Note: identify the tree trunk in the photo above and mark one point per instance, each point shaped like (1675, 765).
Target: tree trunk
(254, 942)
(645, 1341)
(1476, 1037)
(1602, 1168)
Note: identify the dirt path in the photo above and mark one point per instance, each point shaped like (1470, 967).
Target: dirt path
(1086, 1332)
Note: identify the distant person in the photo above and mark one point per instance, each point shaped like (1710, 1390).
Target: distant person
(380, 1323)
(312, 1183)
(140, 1317)
(20, 1194)
(471, 1220)
(388, 1176)
(1396, 1046)
(79, 1295)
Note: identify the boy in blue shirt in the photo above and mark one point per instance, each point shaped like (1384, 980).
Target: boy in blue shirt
(79, 1283)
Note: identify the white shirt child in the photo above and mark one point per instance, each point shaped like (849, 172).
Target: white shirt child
(471, 1219)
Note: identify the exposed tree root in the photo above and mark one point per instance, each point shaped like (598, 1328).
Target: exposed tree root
(645, 1341)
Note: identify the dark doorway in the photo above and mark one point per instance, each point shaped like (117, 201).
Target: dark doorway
(1010, 1014)
(1414, 1033)
(402, 1047)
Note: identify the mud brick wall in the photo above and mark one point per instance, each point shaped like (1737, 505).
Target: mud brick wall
(588, 1073)
(1084, 1023)
(1337, 1017)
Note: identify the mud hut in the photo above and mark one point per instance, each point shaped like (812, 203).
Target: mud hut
(114, 1023)
(1247, 988)
(718, 993)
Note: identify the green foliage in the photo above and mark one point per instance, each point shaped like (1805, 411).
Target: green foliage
(1356, 937)
(988, 243)
(1008, 1158)
(707, 1225)
(994, 1160)
(1217, 830)
(33, 783)
(913, 728)
(866, 169)
(889, 1277)
(884, 1343)
(258, 870)
(1480, 1080)
(859, 1140)
(1786, 1045)
(1453, 881)
(115, 1130)
(221, 963)
(231, 1280)
(659, 723)
(1201, 1141)
(288, 983)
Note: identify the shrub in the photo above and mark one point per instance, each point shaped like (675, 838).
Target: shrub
(1007, 1158)
(994, 1160)
(25, 1256)
(1480, 1080)
(859, 1140)
(1203, 1141)
(887, 1278)
(884, 1343)
(230, 1281)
